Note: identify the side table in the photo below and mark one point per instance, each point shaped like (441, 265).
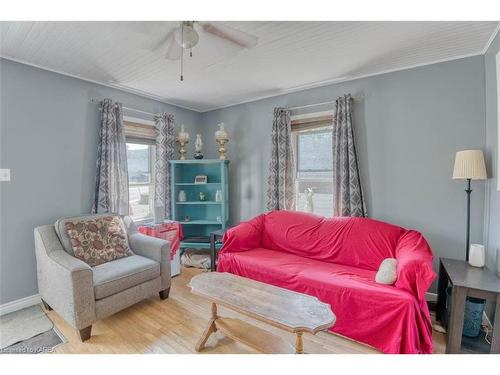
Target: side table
(170, 231)
(466, 281)
(215, 245)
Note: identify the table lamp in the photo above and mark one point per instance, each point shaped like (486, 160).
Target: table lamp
(469, 165)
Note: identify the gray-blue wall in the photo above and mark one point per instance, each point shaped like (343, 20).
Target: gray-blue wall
(49, 132)
(492, 212)
(408, 126)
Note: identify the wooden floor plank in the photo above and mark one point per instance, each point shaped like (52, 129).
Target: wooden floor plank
(255, 337)
(174, 325)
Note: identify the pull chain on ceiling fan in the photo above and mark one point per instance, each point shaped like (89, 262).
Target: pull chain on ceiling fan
(185, 37)
(187, 40)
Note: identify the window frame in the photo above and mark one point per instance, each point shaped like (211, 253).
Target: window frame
(320, 122)
(137, 139)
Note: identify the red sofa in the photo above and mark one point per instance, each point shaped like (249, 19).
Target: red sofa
(336, 260)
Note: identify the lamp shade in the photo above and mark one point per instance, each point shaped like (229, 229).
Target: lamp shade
(469, 164)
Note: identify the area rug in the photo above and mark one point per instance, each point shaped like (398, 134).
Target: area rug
(28, 331)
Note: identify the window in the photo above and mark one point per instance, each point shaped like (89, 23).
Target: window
(140, 160)
(312, 138)
(140, 180)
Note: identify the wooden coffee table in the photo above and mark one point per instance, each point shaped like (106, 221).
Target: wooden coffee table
(291, 311)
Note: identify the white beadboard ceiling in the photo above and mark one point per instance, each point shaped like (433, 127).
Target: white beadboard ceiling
(289, 55)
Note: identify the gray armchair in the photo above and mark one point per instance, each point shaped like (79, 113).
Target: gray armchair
(82, 294)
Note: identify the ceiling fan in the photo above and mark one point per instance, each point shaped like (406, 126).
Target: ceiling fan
(186, 36)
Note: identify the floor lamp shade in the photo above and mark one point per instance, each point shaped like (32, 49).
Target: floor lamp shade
(469, 165)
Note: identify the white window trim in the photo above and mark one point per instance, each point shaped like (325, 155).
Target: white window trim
(151, 161)
(303, 116)
(151, 186)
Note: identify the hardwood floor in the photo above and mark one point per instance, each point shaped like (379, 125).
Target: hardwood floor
(174, 325)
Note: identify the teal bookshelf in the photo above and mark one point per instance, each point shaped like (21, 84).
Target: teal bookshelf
(204, 216)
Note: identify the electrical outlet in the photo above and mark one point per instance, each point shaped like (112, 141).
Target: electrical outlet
(4, 174)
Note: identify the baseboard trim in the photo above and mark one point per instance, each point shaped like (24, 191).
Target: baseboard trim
(20, 304)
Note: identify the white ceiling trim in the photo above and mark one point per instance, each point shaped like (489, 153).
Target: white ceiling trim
(492, 37)
(110, 85)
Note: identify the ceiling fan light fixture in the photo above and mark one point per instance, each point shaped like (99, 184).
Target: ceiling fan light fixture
(186, 36)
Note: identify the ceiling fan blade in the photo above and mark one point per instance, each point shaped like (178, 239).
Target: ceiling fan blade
(163, 41)
(168, 44)
(231, 34)
(174, 50)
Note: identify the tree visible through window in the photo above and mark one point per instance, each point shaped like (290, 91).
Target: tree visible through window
(314, 178)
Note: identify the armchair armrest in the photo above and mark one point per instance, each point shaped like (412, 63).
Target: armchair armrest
(155, 249)
(244, 236)
(64, 282)
(414, 269)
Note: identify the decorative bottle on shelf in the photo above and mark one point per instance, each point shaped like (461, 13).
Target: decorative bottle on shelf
(182, 196)
(218, 196)
(198, 146)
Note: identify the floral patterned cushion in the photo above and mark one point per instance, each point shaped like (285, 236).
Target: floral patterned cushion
(98, 240)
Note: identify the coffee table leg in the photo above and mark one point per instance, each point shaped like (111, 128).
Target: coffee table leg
(299, 345)
(212, 328)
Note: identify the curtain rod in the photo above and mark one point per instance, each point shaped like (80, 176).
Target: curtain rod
(319, 104)
(93, 100)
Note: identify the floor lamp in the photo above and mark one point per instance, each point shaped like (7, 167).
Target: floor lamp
(469, 165)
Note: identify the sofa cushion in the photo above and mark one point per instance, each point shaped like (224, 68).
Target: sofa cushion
(97, 240)
(387, 273)
(60, 228)
(115, 276)
(383, 316)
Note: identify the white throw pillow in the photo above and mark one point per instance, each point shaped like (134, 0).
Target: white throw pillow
(387, 273)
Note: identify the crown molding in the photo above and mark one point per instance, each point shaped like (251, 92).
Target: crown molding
(490, 40)
(115, 86)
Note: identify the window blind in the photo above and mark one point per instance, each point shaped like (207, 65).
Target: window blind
(139, 133)
(311, 123)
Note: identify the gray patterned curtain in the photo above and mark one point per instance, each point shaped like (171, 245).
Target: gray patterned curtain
(111, 190)
(280, 182)
(165, 142)
(348, 197)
